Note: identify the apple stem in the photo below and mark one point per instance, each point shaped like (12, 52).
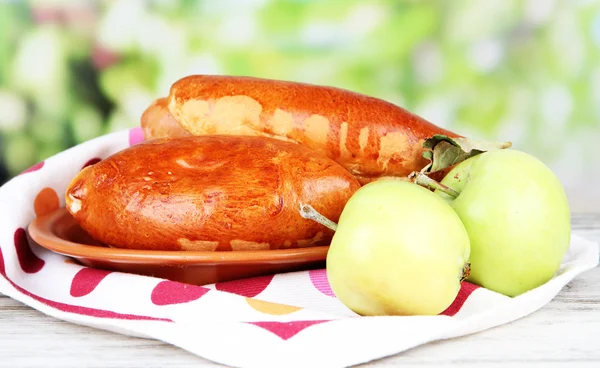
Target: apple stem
(308, 212)
(465, 272)
(427, 182)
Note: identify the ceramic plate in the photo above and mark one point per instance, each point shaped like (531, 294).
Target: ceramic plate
(59, 232)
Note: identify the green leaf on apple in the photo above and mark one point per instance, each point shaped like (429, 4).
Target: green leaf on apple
(444, 152)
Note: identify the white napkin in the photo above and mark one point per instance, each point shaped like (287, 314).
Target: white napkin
(284, 320)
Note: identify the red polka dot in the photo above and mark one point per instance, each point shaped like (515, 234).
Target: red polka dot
(76, 309)
(86, 280)
(286, 330)
(320, 281)
(2, 269)
(33, 168)
(250, 287)
(91, 162)
(136, 135)
(466, 289)
(171, 292)
(30, 263)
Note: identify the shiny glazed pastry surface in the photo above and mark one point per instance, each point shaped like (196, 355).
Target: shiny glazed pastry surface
(209, 193)
(156, 121)
(368, 136)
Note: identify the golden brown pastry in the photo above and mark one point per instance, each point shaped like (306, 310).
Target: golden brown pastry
(368, 136)
(209, 193)
(157, 122)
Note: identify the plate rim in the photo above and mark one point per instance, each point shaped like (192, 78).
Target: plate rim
(40, 231)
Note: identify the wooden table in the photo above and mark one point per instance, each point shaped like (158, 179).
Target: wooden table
(564, 332)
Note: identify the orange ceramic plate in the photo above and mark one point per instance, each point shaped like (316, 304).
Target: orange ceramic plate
(59, 232)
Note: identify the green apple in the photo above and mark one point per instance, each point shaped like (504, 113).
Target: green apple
(517, 216)
(398, 249)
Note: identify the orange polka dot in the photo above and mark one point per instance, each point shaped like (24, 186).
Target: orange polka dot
(46, 201)
(271, 308)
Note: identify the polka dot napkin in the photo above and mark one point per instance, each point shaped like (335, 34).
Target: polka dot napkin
(282, 320)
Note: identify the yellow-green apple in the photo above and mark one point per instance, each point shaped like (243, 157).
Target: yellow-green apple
(398, 249)
(517, 216)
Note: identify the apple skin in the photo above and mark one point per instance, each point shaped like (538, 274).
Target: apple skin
(398, 250)
(518, 219)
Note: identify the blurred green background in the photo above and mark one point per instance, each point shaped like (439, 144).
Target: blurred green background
(525, 71)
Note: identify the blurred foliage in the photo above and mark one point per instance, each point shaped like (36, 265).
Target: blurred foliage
(525, 71)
